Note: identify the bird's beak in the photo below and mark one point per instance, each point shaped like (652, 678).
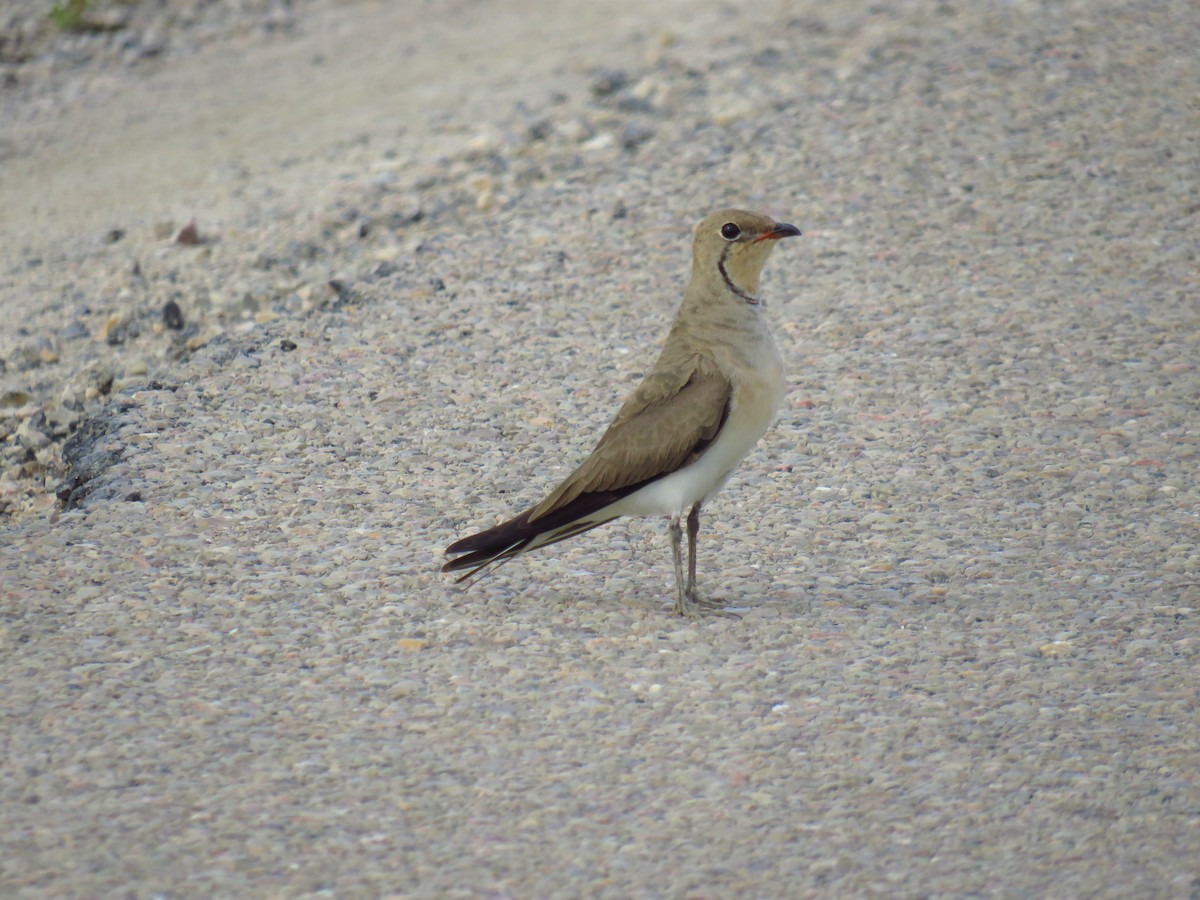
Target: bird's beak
(781, 230)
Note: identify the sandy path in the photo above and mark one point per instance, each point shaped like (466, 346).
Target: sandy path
(968, 551)
(209, 133)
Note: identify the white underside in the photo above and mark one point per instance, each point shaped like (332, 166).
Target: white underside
(696, 483)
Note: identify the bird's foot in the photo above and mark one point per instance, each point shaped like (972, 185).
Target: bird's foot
(693, 606)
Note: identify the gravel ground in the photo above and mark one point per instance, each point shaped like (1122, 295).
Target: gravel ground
(967, 555)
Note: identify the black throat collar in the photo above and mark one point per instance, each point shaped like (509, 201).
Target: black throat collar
(749, 298)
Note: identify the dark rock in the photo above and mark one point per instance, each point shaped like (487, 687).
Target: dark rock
(89, 453)
(635, 134)
(608, 81)
(189, 234)
(172, 315)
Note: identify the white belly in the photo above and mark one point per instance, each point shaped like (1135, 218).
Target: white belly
(753, 410)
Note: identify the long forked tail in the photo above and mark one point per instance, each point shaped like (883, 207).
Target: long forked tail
(516, 536)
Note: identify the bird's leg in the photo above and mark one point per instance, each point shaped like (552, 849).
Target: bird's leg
(681, 603)
(693, 530)
(690, 602)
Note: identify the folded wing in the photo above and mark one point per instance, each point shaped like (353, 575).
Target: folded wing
(660, 430)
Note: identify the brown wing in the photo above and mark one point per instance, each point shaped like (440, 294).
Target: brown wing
(656, 432)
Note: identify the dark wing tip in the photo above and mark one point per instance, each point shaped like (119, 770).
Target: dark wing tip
(466, 562)
(492, 539)
(462, 545)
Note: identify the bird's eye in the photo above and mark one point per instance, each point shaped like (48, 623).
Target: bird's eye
(730, 232)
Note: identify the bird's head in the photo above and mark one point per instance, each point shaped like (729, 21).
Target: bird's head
(731, 246)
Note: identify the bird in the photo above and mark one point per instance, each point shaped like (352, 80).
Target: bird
(712, 393)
